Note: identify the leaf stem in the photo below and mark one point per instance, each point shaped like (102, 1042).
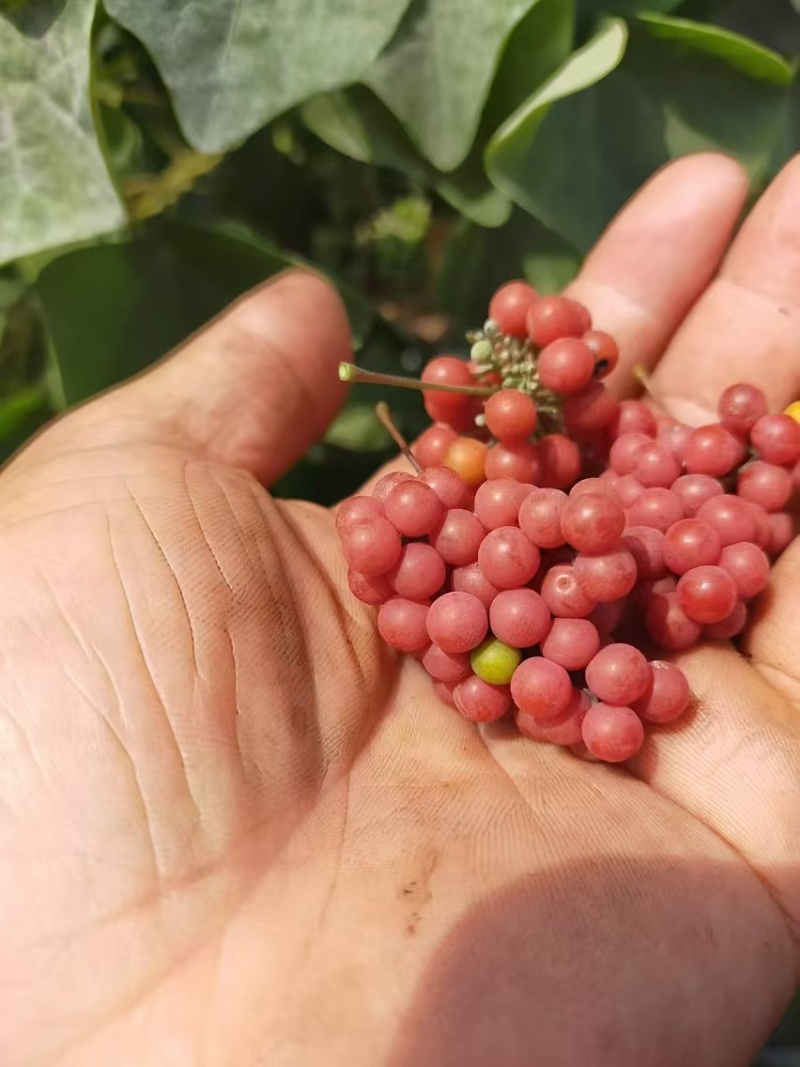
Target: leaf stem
(348, 372)
(388, 423)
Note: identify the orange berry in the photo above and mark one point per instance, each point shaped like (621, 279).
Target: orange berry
(467, 457)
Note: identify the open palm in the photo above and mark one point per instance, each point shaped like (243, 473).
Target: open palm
(235, 830)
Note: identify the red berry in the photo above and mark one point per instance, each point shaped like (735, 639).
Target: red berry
(519, 460)
(510, 415)
(510, 305)
(740, 407)
(560, 461)
(433, 444)
(604, 349)
(592, 409)
(566, 366)
(777, 439)
(553, 317)
(456, 409)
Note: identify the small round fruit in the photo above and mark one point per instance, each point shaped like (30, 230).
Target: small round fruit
(455, 409)
(510, 415)
(457, 622)
(371, 546)
(618, 674)
(707, 594)
(740, 407)
(612, 733)
(510, 305)
(571, 643)
(514, 459)
(604, 349)
(413, 508)
(494, 661)
(553, 317)
(467, 457)
(448, 667)
(565, 730)
(776, 438)
(541, 688)
(402, 624)
(566, 366)
(667, 695)
(433, 444)
(479, 701)
(508, 558)
(519, 617)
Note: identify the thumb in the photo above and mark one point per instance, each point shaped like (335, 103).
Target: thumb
(252, 390)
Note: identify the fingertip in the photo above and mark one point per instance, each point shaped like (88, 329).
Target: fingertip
(293, 332)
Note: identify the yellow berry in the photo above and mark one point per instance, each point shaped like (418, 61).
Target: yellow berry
(793, 410)
(495, 662)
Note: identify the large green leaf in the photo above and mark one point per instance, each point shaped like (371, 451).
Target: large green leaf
(232, 65)
(436, 73)
(583, 144)
(741, 53)
(355, 122)
(114, 309)
(593, 8)
(513, 159)
(54, 186)
(775, 24)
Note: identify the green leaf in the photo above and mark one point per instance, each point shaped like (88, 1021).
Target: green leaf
(775, 24)
(592, 9)
(739, 52)
(113, 310)
(514, 161)
(16, 410)
(54, 186)
(232, 65)
(436, 72)
(357, 428)
(356, 123)
(582, 145)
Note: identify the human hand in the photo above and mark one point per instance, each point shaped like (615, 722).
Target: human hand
(234, 829)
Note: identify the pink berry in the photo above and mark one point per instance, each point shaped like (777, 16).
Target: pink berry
(618, 674)
(571, 643)
(519, 617)
(413, 508)
(541, 688)
(564, 730)
(508, 558)
(401, 624)
(612, 733)
(667, 694)
(478, 701)
(457, 622)
(707, 594)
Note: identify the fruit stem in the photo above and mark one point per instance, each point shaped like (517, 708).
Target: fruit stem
(386, 420)
(348, 372)
(643, 378)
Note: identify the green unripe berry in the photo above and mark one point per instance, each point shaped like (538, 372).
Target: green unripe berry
(495, 662)
(481, 351)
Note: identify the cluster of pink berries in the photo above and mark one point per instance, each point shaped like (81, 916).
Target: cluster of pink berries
(553, 536)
